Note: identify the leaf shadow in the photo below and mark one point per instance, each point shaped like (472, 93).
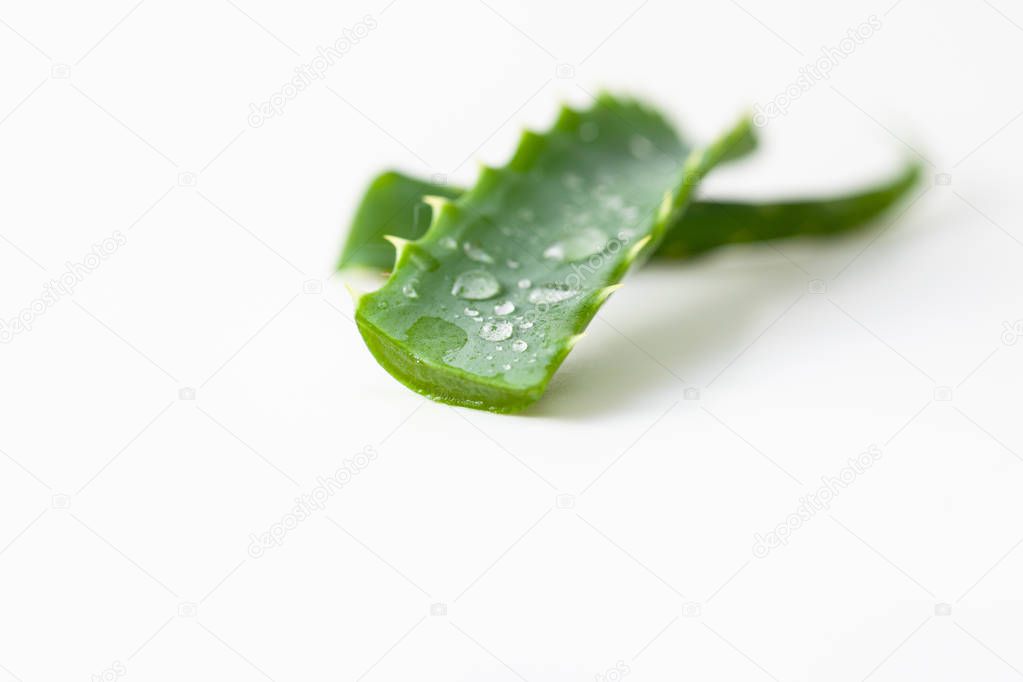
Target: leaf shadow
(608, 376)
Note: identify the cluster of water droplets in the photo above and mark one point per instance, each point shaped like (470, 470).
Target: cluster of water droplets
(479, 284)
(586, 203)
(581, 240)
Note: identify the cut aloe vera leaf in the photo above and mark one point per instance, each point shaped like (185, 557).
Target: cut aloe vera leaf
(393, 205)
(710, 224)
(482, 309)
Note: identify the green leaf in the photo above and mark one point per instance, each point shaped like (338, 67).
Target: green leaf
(393, 205)
(482, 309)
(710, 224)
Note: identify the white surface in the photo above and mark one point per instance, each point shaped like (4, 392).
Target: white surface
(123, 506)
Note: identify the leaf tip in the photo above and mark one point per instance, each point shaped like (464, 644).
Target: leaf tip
(437, 203)
(636, 248)
(354, 293)
(605, 293)
(399, 244)
(531, 143)
(664, 210)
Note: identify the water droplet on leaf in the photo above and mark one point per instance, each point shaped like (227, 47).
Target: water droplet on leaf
(477, 254)
(506, 308)
(518, 345)
(476, 285)
(572, 181)
(551, 293)
(641, 147)
(436, 338)
(496, 331)
(555, 251)
(582, 244)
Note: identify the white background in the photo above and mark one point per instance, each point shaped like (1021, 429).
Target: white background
(126, 511)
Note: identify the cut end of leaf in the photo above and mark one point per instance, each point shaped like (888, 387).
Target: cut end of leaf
(426, 373)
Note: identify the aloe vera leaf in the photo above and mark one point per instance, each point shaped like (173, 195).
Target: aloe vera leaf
(710, 224)
(393, 205)
(482, 309)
